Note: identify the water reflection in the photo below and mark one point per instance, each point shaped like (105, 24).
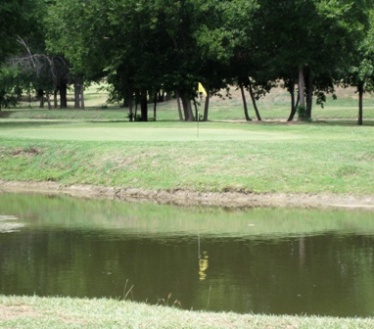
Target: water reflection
(203, 261)
(203, 265)
(9, 224)
(203, 258)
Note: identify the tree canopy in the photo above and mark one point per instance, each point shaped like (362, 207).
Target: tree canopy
(143, 47)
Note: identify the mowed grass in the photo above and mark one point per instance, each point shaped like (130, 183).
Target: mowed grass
(275, 106)
(39, 313)
(280, 158)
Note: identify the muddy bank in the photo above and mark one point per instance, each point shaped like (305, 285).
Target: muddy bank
(192, 198)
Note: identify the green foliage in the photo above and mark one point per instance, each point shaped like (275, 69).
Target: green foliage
(68, 30)
(361, 69)
(142, 47)
(162, 45)
(10, 86)
(16, 18)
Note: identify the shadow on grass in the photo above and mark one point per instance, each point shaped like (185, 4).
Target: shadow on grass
(344, 122)
(5, 114)
(32, 118)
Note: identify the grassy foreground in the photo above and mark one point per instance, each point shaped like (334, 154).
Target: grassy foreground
(38, 313)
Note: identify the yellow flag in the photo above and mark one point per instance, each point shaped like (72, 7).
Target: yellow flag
(201, 89)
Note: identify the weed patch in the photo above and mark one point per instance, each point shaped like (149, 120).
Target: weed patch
(28, 151)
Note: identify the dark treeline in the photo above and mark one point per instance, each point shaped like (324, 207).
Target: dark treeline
(146, 49)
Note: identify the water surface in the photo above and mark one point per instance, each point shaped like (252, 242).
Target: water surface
(273, 261)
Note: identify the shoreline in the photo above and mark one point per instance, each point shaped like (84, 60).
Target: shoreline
(181, 197)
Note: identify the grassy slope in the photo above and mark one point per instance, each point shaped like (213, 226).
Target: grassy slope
(38, 313)
(170, 155)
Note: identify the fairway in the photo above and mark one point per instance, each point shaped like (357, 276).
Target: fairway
(140, 132)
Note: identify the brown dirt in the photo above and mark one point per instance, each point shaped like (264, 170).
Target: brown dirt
(234, 199)
(17, 311)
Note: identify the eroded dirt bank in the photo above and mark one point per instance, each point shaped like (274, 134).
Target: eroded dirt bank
(192, 198)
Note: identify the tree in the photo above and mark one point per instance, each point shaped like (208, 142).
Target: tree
(347, 23)
(360, 72)
(96, 42)
(44, 71)
(144, 46)
(15, 19)
(244, 61)
(75, 32)
(308, 43)
(11, 84)
(163, 45)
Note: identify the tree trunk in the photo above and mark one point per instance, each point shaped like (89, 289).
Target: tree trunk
(301, 87)
(136, 100)
(187, 108)
(41, 98)
(297, 101)
(63, 95)
(143, 106)
(245, 104)
(309, 99)
(291, 89)
(48, 96)
(76, 95)
(131, 109)
(179, 107)
(155, 107)
(253, 100)
(128, 101)
(83, 105)
(196, 110)
(206, 106)
(360, 89)
(131, 113)
(55, 102)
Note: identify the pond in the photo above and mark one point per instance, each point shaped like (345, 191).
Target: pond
(270, 261)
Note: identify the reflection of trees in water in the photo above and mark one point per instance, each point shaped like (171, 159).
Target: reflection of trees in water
(302, 251)
(304, 274)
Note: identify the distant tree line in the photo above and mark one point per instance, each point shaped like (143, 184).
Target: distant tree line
(146, 48)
